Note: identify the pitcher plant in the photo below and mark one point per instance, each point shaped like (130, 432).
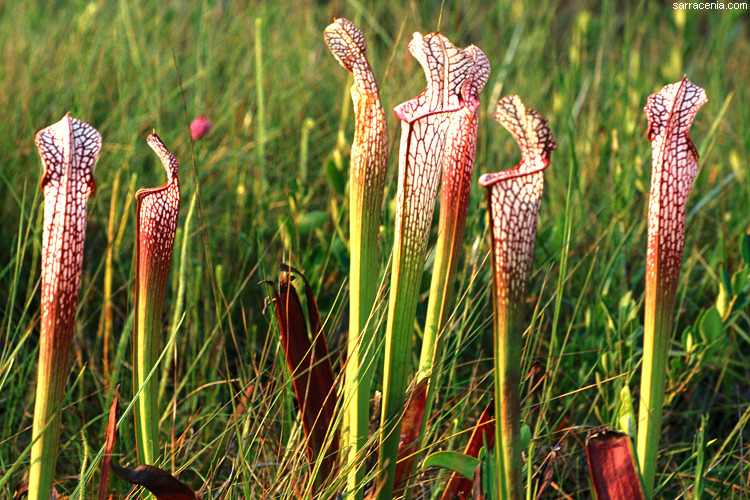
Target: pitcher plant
(69, 150)
(673, 170)
(513, 200)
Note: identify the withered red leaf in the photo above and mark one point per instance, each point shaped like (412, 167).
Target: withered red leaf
(411, 428)
(310, 365)
(109, 445)
(159, 482)
(611, 466)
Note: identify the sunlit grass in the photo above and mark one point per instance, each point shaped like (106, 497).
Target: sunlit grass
(588, 68)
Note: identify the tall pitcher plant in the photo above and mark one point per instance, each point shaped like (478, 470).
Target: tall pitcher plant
(369, 163)
(426, 121)
(157, 211)
(69, 150)
(457, 170)
(513, 200)
(674, 167)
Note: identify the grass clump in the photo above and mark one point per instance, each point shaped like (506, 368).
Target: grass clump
(230, 412)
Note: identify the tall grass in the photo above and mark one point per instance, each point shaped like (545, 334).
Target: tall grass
(230, 404)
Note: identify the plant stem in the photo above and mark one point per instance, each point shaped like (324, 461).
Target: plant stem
(508, 338)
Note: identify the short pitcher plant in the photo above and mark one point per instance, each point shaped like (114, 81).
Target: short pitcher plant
(674, 167)
(157, 210)
(69, 150)
(513, 199)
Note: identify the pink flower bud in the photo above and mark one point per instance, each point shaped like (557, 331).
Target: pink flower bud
(200, 126)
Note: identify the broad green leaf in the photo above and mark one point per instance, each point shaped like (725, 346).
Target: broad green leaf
(745, 249)
(311, 221)
(452, 460)
(722, 298)
(626, 414)
(525, 436)
(336, 177)
(710, 326)
(482, 435)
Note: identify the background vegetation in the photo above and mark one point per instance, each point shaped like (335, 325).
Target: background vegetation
(272, 179)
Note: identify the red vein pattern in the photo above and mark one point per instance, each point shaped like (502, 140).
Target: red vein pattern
(514, 197)
(460, 143)
(457, 170)
(158, 209)
(370, 146)
(426, 121)
(674, 166)
(453, 75)
(157, 212)
(69, 150)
